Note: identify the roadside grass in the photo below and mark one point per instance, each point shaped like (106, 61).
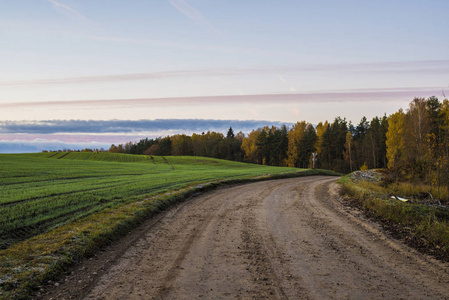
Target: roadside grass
(426, 226)
(59, 208)
(409, 189)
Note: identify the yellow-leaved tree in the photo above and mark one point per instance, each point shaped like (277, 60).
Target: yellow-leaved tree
(395, 139)
(294, 136)
(320, 130)
(249, 146)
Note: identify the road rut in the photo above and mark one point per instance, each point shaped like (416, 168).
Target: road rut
(279, 239)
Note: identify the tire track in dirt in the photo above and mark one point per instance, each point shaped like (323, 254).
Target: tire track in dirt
(280, 239)
(173, 271)
(358, 259)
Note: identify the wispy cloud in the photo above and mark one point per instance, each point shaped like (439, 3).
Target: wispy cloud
(421, 67)
(190, 12)
(340, 96)
(70, 12)
(194, 15)
(124, 77)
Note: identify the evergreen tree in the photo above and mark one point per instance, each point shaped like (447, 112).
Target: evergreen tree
(306, 147)
(230, 134)
(164, 146)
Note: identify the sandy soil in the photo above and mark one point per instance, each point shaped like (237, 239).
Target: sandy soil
(281, 239)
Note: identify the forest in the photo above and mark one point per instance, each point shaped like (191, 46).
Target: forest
(412, 144)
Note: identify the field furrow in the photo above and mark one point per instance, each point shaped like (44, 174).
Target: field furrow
(43, 190)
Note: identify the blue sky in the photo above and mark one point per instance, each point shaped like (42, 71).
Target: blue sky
(268, 60)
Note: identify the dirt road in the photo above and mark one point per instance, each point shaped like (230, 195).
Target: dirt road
(282, 239)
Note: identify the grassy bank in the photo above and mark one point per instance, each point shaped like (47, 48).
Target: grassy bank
(420, 221)
(57, 208)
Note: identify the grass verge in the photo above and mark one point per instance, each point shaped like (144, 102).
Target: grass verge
(26, 265)
(422, 226)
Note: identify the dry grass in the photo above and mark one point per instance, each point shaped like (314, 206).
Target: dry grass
(429, 223)
(408, 189)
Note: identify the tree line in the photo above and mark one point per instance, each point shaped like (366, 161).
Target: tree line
(210, 144)
(339, 145)
(413, 144)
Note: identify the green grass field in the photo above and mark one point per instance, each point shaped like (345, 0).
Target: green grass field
(41, 191)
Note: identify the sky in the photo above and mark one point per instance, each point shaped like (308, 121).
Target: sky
(244, 63)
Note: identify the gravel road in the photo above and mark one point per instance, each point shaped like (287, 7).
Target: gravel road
(280, 239)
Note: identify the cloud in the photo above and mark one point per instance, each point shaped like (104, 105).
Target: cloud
(337, 96)
(35, 136)
(70, 12)
(190, 12)
(124, 77)
(187, 10)
(418, 67)
(136, 127)
(195, 16)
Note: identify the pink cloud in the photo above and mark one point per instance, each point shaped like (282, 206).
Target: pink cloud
(355, 95)
(419, 67)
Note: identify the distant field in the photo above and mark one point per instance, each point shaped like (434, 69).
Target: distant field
(40, 191)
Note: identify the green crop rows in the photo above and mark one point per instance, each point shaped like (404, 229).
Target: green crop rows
(41, 191)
